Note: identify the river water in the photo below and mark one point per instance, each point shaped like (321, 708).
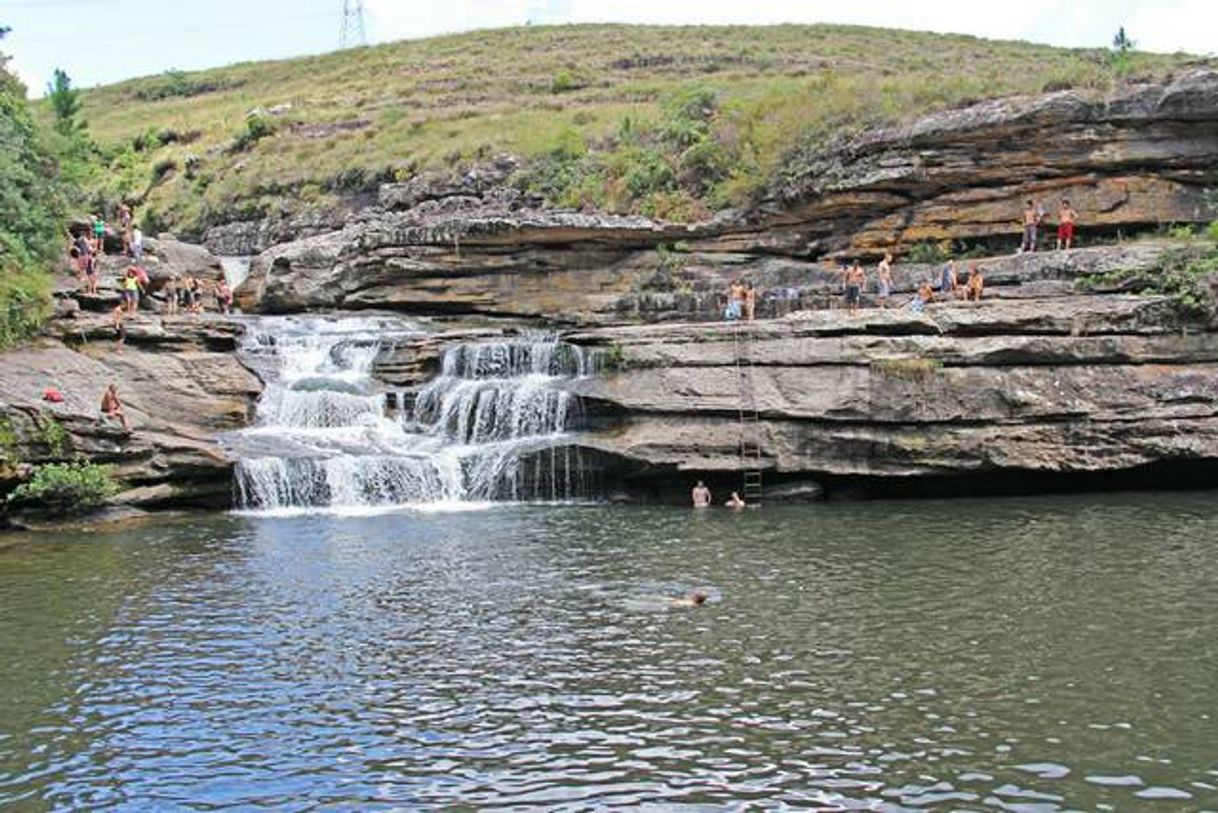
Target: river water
(1018, 654)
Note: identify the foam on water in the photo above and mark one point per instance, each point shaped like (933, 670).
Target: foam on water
(492, 426)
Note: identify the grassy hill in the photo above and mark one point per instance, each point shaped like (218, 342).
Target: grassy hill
(670, 121)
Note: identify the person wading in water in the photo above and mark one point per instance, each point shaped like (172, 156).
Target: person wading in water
(701, 495)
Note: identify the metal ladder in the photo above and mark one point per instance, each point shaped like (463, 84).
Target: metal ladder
(750, 419)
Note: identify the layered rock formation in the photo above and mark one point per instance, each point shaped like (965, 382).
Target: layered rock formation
(179, 380)
(1052, 373)
(1141, 156)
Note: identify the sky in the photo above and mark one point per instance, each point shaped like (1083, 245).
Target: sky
(103, 41)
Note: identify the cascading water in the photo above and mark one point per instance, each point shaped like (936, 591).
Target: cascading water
(492, 426)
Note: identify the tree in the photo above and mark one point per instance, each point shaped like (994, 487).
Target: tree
(65, 101)
(1121, 45)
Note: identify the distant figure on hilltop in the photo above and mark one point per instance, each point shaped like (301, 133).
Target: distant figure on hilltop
(701, 495)
(1065, 225)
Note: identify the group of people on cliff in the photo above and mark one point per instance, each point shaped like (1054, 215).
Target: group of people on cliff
(180, 294)
(853, 278)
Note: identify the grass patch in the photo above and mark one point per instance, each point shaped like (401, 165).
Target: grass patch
(1186, 275)
(911, 369)
(675, 121)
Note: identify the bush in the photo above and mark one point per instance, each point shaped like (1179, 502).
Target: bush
(68, 487)
(1212, 231)
(929, 253)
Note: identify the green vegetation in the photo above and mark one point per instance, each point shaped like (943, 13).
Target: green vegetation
(54, 437)
(1122, 45)
(67, 487)
(668, 121)
(31, 207)
(1187, 274)
(65, 103)
(912, 369)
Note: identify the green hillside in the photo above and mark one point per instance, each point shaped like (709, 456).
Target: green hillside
(668, 121)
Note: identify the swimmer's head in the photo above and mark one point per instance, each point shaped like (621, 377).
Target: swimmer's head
(697, 597)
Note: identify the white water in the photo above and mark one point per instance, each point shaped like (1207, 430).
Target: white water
(492, 426)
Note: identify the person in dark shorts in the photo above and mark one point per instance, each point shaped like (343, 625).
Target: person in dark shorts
(854, 286)
(1031, 222)
(117, 316)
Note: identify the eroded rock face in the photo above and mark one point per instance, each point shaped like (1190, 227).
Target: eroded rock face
(180, 384)
(1139, 157)
(1074, 385)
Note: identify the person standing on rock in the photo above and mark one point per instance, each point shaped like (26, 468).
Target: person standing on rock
(855, 279)
(137, 244)
(750, 302)
(111, 407)
(117, 317)
(701, 495)
(884, 280)
(1031, 223)
(171, 297)
(99, 234)
(735, 301)
(131, 291)
(1065, 225)
(949, 281)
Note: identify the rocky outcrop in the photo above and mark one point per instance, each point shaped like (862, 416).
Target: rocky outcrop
(1142, 155)
(1074, 385)
(181, 385)
(1138, 157)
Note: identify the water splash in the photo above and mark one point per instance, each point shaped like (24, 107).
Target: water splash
(494, 425)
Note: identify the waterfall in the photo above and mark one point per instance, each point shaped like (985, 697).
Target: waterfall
(493, 425)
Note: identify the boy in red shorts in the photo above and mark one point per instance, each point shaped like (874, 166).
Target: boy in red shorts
(1065, 224)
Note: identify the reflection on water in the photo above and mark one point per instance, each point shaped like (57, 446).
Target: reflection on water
(1028, 655)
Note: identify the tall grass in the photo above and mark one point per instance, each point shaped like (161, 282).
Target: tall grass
(396, 108)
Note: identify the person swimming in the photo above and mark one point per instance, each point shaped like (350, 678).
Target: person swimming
(694, 598)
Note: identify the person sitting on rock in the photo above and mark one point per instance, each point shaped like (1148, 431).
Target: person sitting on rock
(1065, 225)
(701, 495)
(112, 408)
(925, 295)
(975, 284)
(735, 502)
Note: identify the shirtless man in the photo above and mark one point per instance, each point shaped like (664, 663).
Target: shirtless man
(975, 284)
(1065, 225)
(1031, 219)
(884, 280)
(111, 407)
(750, 301)
(735, 502)
(855, 279)
(735, 301)
(701, 495)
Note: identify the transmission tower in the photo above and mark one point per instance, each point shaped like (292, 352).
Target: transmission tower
(352, 33)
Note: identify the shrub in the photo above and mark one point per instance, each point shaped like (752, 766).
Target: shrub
(68, 487)
(564, 81)
(1212, 231)
(928, 252)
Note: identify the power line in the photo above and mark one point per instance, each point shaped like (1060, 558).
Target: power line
(352, 32)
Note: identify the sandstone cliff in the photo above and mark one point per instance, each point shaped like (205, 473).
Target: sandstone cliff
(181, 385)
(1139, 157)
